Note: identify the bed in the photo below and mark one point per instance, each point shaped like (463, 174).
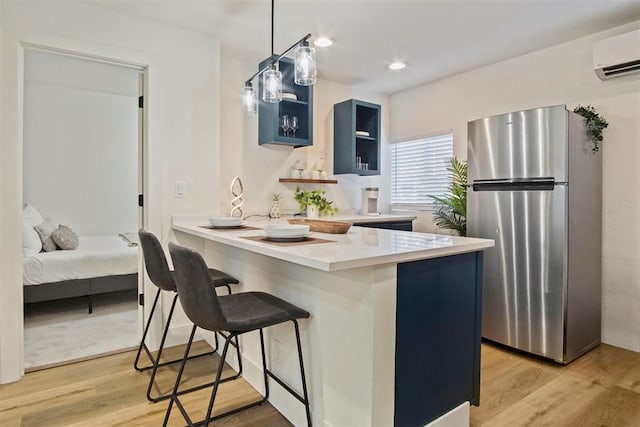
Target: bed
(100, 264)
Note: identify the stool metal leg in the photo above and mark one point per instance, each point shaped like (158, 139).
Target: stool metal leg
(217, 380)
(304, 381)
(144, 336)
(174, 394)
(159, 355)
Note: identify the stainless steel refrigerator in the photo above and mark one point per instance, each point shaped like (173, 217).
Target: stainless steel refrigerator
(535, 187)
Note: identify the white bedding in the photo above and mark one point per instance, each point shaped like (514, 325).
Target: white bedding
(96, 256)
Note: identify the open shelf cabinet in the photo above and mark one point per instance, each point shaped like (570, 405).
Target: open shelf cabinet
(349, 117)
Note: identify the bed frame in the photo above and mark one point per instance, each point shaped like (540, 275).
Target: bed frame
(80, 288)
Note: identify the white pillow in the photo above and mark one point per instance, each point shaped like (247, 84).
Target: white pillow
(31, 243)
(31, 215)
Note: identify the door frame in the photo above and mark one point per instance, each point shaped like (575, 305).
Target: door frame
(12, 367)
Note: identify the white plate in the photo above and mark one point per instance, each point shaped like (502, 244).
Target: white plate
(362, 133)
(287, 95)
(286, 230)
(225, 221)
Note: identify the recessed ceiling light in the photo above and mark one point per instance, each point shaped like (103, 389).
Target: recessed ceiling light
(323, 42)
(397, 65)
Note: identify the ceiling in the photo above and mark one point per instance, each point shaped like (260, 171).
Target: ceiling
(436, 38)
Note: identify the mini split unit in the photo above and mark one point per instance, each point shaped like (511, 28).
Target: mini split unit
(617, 56)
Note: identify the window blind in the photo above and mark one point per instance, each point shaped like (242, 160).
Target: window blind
(419, 170)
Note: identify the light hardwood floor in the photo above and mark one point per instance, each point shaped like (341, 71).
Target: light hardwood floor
(600, 389)
(108, 392)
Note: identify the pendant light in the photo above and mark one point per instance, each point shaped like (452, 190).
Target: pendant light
(305, 65)
(272, 85)
(249, 100)
(304, 72)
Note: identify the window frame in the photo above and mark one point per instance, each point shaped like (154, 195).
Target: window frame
(427, 205)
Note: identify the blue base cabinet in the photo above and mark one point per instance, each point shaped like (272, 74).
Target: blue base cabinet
(269, 114)
(438, 333)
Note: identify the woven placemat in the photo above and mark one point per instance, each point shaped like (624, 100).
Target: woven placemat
(307, 241)
(241, 228)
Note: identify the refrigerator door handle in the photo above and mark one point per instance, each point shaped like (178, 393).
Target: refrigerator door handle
(514, 184)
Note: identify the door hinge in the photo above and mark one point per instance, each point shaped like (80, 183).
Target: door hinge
(140, 200)
(141, 102)
(141, 299)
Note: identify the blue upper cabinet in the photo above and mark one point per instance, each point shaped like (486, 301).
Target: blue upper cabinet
(356, 138)
(299, 104)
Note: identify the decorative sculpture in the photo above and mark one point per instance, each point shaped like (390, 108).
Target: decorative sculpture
(237, 190)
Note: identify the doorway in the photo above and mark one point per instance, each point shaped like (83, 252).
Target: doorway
(82, 174)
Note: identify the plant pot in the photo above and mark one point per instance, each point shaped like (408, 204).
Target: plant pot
(312, 211)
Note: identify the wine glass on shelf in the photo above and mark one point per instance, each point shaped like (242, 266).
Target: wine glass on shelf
(294, 125)
(284, 124)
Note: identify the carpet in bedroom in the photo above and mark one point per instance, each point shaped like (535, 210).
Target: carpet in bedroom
(62, 330)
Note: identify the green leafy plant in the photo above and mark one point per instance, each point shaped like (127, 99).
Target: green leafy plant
(276, 197)
(595, 124)
(315, 198)
(450, 211)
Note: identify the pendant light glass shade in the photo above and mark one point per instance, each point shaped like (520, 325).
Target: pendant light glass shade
(305, 65)
(272, 86)
(249, 99)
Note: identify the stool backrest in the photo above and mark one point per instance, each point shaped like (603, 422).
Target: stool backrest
(155, 261)
(196, 290)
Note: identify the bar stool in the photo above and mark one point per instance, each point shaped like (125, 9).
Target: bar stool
(236, 314)
(158, 270)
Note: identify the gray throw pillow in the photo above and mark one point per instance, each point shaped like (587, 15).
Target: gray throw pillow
(44, 230)
(65, 238)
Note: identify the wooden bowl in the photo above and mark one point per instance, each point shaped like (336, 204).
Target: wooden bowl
(321, 226)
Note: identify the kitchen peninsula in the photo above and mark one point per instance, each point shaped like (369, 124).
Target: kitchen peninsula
(394, 333)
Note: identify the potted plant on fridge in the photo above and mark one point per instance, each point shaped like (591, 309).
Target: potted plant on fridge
(595, 124)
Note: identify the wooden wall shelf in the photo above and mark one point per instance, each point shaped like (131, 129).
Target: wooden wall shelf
(309, 181)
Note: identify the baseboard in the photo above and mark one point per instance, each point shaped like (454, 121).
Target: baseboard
(457, 417)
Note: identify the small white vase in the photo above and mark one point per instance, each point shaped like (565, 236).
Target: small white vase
(312, 211)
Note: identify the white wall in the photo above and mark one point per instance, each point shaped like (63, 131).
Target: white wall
(81, 120)
(260, 167)
(562, 74)
(182, 129)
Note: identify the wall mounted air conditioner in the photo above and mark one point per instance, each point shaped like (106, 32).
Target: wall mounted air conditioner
(617, 56)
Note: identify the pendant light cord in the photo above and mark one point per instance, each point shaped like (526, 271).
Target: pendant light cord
(272, 13)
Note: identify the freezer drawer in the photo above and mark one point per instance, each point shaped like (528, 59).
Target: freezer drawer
(526, 144)
(524, 276)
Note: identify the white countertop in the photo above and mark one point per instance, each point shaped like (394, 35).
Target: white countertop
(360, 247)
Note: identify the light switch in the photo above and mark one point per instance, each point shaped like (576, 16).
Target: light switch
(180, 189)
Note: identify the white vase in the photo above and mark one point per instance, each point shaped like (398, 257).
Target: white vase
(312, 211)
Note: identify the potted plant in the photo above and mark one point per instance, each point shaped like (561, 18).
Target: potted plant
(450, 211)
(595, 124)
(313, 202)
